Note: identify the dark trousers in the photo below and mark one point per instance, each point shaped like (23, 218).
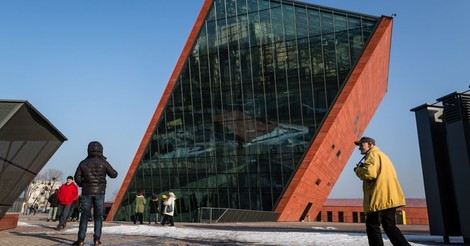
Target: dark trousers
(387, 219)
(65, 214)
(139, 217)
(60, 208)
(72, 212)
(169, 218)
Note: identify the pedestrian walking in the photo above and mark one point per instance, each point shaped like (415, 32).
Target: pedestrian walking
(139, 208)
(53, 205)
(35, 208)
(162, 206)
(73, 215)
(91, 176)
(382, 193)
(154, 209)
(31, 209)
(169, 210)
(67, 193)
(25, 208)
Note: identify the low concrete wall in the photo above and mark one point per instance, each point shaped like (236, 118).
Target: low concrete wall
(9, 221)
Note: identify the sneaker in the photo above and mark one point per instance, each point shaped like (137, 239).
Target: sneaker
(78, 242)
(96, 242)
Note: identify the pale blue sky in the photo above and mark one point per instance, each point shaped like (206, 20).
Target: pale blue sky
(97, 69)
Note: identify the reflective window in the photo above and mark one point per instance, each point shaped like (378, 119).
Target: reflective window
(257, 84)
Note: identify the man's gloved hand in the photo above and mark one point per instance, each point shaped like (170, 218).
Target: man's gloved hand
(360, 164)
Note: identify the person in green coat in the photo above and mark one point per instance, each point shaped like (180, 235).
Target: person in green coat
(139, 208)
(382, 193)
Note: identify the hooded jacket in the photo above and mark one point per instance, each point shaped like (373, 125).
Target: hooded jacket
(379, 182)
(153, 204)
(91, 172)
(53, 200)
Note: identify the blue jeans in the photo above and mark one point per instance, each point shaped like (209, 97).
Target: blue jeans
(153, 217)
(88, 201)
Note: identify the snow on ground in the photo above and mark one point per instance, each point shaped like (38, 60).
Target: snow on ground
(20, 223)
(328, 237)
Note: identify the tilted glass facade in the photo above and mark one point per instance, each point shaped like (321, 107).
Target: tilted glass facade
(254, 90)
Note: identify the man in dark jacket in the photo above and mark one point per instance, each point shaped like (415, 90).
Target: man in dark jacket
(91, 176)
(54, 203)
(154, 209)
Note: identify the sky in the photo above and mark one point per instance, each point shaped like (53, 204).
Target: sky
(319, 235)
(96, 70)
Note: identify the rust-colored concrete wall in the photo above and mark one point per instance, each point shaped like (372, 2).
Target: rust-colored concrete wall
(347, 213)
(9, 221)
(345, 123)
(161, 105)
(414, 215)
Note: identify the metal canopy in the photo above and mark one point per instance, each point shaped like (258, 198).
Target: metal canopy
(27, 141)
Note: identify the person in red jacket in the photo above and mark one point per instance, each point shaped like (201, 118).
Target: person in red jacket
(67, 194)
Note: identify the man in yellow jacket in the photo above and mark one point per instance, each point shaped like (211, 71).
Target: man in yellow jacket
(382, 193)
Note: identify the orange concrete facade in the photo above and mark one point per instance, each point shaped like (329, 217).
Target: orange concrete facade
(345, 123)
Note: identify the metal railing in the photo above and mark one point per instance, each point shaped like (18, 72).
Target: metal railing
(229, 215)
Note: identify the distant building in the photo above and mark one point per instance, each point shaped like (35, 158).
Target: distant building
(261, 112)
(351, 211)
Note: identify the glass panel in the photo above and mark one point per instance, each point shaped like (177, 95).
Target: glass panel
(258, 81)
(343, 57)
(355, 37)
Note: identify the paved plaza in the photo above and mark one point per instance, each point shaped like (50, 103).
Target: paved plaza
(35, 230)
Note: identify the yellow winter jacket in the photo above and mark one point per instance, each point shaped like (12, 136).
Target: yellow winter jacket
(379, 182)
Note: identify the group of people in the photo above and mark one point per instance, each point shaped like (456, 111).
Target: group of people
(166, 208)
(33, 209)
(64, 203)
(90, 175)
(382, 195)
